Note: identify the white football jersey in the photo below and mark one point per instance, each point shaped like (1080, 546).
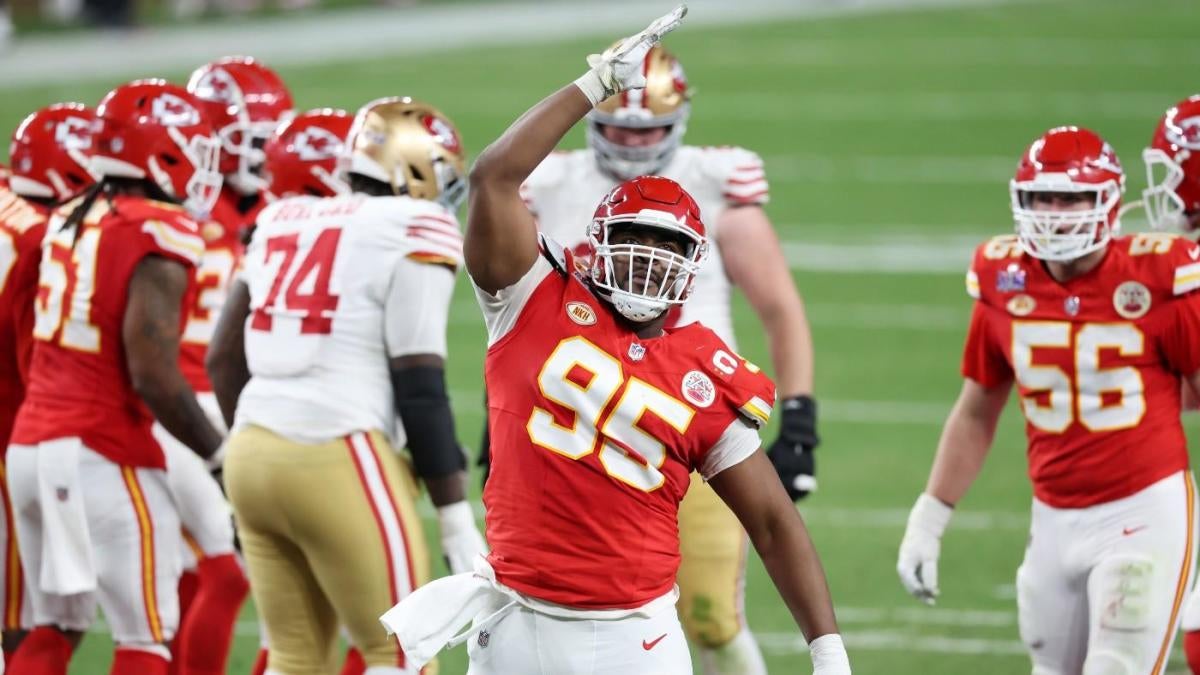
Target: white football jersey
(337, 287)
(565, 189)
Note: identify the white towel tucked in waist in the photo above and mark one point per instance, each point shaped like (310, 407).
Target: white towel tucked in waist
(67, 566)
(433, 617)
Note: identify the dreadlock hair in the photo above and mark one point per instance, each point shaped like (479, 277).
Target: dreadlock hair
(109, 187)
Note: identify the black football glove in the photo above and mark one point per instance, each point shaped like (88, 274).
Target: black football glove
(792, 452)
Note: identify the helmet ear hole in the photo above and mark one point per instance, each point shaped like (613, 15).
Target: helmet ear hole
(169, 160)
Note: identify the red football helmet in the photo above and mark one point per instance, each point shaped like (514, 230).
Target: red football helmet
(245, 101)
(1067, 159)
(302, 155)
(1172, 198)
(48, 152)
(153, 130)
(646, 202)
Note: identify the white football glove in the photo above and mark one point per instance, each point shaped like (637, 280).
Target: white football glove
(922, 543)
(461, 539)
(619, 68)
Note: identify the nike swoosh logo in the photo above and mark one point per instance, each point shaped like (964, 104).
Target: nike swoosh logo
(1194, 254)
(650, 645)
(1130, 530)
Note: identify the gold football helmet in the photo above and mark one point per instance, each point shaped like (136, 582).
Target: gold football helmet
(665, 102)
(410, 146)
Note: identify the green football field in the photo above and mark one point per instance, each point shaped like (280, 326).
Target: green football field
(888, 140)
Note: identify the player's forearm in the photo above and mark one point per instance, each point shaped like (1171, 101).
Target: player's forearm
(226, 358)
(173, 403)
(419, 386)
(511, 158)
(446, 490)
(962, 449)
(228, 379)
(791, 346)
(791, 560)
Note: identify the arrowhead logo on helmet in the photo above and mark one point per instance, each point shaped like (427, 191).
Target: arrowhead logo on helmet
(74, 133)
(171, 111)
(314, 144)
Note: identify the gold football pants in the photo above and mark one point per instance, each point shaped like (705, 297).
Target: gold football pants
(711, 578)
(331, 535)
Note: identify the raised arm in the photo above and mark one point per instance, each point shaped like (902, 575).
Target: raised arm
(150, 333)
(501, 239)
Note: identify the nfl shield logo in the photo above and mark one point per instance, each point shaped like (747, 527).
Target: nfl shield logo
(636, 352)
(483, 638)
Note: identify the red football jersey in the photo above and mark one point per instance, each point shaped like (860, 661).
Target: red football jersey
(232, 215)
(22, 225)
(79, 381)
(1097, 361)
(595, 432)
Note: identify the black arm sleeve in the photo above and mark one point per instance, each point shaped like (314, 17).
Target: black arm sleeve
(424, 409)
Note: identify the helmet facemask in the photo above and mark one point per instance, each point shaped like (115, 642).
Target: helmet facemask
(628, 161)
(643, 281)
(1064, 235)
(1164, 208)
(244, 140)
(203, 185)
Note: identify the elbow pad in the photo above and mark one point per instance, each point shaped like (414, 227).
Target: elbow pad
(424, 410)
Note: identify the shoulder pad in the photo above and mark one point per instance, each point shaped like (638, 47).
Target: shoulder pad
(989, 259)
(738, 172)
(1169, 263)
(743, 385)
(177, 236)
(434, 237)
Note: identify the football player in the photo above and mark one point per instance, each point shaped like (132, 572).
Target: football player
(637, 133)
(48, 169)
(301, 156)
(597, 418)
(96, 521)
(1172, 196)
(1172, 202)
(337, 325)
(244, 100)
(1096, 331)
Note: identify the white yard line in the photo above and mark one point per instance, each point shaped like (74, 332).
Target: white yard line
(375, 32)
(934, 106)
(1008, 51)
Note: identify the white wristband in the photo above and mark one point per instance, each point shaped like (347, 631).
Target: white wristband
(930, 514)
(216, 460)
(455, 518)
(591, 86)
(829, 655)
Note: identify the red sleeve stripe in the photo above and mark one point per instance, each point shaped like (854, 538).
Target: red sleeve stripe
(747, 180)
(759, 187)
(756, 198)
(749, 167)
(437, 219)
